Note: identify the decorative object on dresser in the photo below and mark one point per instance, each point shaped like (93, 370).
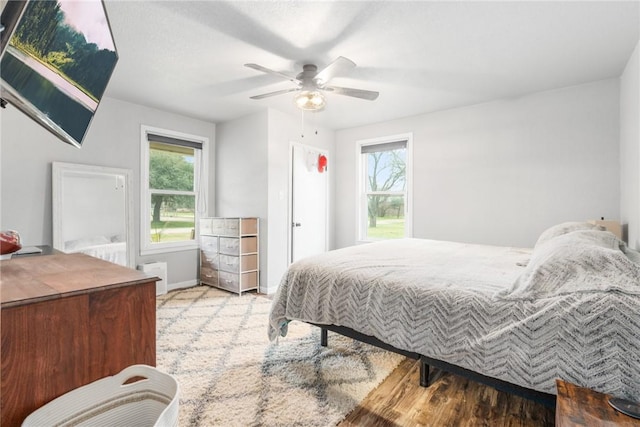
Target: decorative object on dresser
(580, 406)
(229, 253)
(9, 243)
(69, 320)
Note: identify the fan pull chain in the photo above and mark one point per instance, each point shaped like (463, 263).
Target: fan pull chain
(314, 122)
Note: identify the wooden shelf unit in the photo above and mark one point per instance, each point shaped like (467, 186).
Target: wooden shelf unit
(229, 253)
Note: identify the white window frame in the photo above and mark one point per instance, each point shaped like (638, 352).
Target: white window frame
(201, 163)
(361, 182)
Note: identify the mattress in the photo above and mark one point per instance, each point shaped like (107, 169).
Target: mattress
(112, 252)
(111, 249)
(474, 306)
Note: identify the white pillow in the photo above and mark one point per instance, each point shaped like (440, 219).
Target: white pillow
(579, 261)
(564, 228)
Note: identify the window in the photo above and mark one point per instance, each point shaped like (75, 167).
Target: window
(384, 184)
(173, 190)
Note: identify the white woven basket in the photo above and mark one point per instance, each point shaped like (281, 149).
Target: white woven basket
(108, 402)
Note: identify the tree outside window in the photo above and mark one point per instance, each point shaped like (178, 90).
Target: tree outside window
(173, 189)
(384, 196)
(171, 184)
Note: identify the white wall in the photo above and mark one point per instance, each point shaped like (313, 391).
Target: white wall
(501, 172)
(241, 174)
(113, 140)
(630, 148)
(284, 129)
(253, 179)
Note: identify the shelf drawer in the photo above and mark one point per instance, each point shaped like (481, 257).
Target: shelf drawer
(236, 246)
(232, 226)
(206, 226)
(238, 282)
(217, 226)
(226, 226)
(237, 264)
(208, 260)
(208, 276)
(209, 244)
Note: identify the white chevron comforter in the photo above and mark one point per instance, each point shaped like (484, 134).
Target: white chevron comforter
(469, 305)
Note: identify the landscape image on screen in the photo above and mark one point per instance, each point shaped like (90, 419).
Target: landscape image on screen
(58, 63)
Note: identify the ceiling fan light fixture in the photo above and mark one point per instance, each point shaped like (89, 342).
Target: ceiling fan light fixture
(310, 100)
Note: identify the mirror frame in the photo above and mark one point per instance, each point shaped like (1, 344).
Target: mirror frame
(58, 171)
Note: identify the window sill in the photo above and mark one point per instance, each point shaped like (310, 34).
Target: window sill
(169, 249)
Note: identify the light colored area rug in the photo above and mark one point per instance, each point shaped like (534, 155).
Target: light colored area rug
(215, 343)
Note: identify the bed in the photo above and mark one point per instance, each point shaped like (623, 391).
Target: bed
(109, 248)
(515, 318)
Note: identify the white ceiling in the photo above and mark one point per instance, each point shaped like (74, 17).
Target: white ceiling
(187, 57)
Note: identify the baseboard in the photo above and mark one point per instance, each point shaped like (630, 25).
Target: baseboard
(195, 282)
(268, 289)
(182, 285)
(191, 283)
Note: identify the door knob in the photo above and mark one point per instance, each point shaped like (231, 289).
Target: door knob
(296, 224)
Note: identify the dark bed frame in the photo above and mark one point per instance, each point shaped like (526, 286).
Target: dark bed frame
(546, 399)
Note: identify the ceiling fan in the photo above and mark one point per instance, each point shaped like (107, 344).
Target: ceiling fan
(310, 84)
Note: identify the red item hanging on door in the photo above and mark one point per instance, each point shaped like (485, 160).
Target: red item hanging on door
(322, 163)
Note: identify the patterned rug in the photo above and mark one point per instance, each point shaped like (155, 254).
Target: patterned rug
(215, 344)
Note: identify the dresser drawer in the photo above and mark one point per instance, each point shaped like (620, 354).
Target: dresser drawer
(208, 260)
(236, 246)
(238, 282)
(208, 276)
(209, 244)
(205, 226)
(218, 226)
(225, 226)
(232, 226)
(237, 264)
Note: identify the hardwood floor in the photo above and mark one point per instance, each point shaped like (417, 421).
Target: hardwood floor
(449, 401)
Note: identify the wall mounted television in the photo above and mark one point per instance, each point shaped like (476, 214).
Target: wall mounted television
(57, 57)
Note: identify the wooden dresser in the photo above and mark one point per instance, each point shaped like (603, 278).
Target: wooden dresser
(67, 320)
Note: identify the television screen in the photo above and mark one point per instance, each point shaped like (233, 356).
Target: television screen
(57, 62)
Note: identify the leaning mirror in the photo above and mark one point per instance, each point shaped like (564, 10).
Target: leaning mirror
(92, 211)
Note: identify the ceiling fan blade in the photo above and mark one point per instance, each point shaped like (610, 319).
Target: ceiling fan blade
(278, 92)
(269, 71)
(356, 93)
(339, 66)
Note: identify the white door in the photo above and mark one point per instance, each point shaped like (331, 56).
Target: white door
(309, 201)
